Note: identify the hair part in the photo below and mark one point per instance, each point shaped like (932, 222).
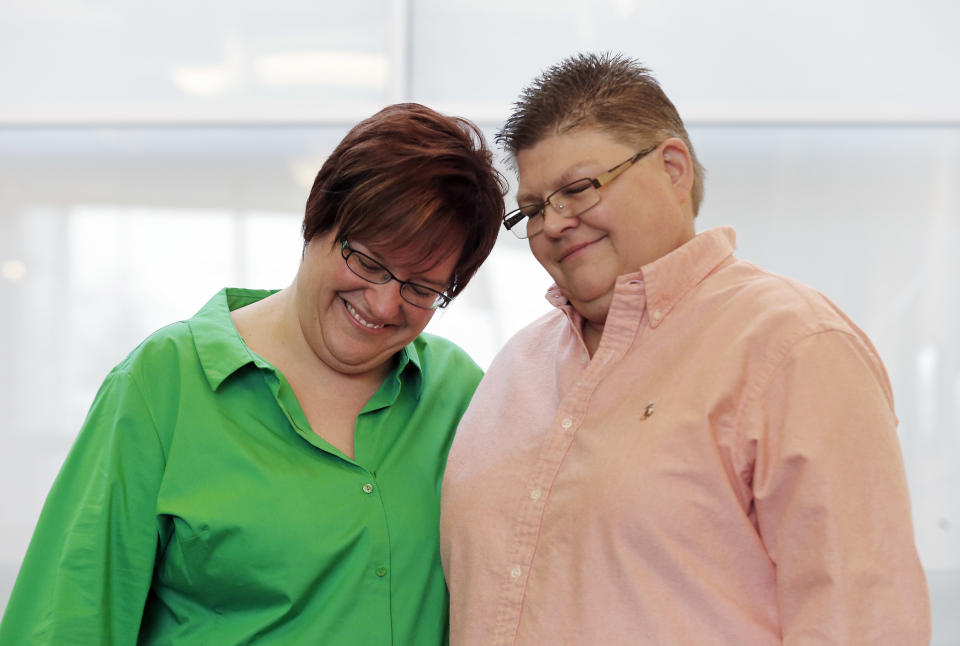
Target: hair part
(607, 92)
(409, 178)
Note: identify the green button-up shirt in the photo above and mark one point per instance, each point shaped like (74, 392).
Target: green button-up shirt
(198, 507)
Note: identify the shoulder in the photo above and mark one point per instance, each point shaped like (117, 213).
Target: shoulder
(134, 404)
(529, 356)
(770, 318)
(444, 362)
(775, 304)
(165, 349)
(549, 323)
(535, 343)
(158, 367)
(156, 376)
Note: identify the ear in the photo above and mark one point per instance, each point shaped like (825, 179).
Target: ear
(679, 167)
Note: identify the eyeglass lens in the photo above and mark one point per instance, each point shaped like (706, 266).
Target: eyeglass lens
(569, 201)
(372, 271)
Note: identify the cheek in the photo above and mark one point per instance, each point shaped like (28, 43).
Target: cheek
(539, 250)
(419, 319)
(605, 215)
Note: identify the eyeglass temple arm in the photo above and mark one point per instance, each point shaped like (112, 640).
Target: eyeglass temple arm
(512, 221)
(616, 171)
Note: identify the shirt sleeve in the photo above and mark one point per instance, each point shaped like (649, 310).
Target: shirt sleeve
(831, 499)
(86, 574)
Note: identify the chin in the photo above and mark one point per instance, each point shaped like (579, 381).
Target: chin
(588, 293)
(350, 359)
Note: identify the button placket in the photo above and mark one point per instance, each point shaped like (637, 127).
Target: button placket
(369, 490)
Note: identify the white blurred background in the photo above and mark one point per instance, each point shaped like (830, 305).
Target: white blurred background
(151, 153)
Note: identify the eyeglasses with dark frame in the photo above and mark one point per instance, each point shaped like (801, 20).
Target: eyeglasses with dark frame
(569, 201)
(374, 272)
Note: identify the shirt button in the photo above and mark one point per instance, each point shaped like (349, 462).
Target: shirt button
(656, 316)
(381, 571)
(516, 572)
(368, 488)
(535, 494)
(566, 423)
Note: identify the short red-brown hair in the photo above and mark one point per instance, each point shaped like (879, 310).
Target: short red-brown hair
(411, 178)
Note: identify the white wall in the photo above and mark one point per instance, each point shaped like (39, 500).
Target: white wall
(150, 155)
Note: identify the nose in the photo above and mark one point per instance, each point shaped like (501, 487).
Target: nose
(384, 300)
(554, 224)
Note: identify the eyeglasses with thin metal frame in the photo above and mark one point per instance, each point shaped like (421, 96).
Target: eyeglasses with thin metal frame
(374, 272)
(569, 201)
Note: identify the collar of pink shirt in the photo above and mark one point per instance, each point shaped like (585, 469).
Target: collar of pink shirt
(668, 279)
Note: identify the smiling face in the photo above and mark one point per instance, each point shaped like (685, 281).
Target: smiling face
(642, 215)
(354, 326)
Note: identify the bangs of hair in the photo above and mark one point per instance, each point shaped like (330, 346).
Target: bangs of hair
(414, 181)
(424, 229)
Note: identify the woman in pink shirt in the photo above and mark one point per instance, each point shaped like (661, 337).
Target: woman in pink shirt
(689, 449)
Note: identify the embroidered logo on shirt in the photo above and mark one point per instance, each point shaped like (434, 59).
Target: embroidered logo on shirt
(647, 412)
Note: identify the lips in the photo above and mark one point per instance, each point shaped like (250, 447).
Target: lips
(574, 248)
(359, 319)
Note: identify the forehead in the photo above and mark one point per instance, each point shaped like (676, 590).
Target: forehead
(561, 158)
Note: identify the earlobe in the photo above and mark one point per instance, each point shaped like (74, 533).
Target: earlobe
(678, 165)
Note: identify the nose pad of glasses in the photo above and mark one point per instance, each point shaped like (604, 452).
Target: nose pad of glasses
(561, 218)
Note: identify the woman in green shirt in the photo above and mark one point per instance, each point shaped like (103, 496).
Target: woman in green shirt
(268, 471)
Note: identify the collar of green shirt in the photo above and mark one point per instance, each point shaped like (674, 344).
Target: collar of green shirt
(222, 350)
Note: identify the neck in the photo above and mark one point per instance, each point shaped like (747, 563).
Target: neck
(592, 332)
(271, 328)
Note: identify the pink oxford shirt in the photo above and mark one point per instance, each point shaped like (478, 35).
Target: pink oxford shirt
(724, 470)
